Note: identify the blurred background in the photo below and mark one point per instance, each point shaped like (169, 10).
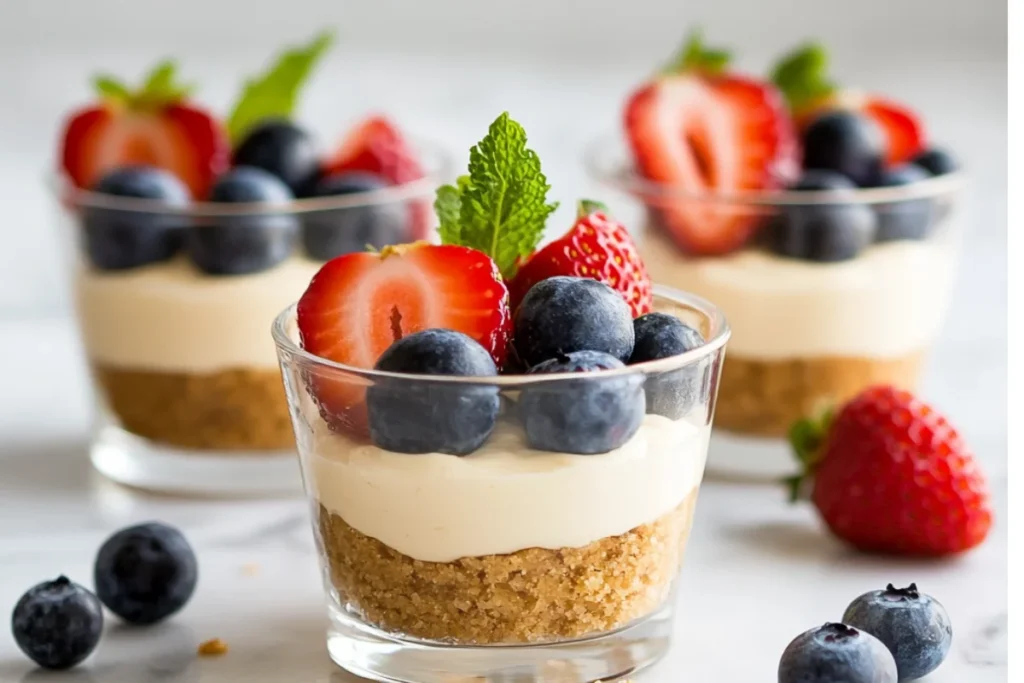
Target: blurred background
(446, 68)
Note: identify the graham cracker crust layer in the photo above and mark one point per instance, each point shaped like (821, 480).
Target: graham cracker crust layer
(765, 398)
(241, 410)
(531, 595)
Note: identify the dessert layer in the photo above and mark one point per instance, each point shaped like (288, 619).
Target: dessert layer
(504, 497)
(765, 398)
(886, 303)
(243, 410)
(528, 596)
(171, 317)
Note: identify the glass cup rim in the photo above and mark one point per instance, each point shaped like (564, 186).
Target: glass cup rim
(720, 333)
(617, 173)
(437, 161)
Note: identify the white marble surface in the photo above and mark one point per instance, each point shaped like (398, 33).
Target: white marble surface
(758, 571)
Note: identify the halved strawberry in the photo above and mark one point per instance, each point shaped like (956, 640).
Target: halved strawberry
(154, 125)
(596, 247)
(377, 146)
(358, 304)
(707, 133)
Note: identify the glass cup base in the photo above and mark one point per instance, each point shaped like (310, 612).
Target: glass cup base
(376, 655)
(133, 461)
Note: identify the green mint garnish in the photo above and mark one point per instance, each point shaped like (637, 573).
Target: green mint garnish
(160, 87)
(500, 207)
(274, 94)
(695, 56)
(802, 76)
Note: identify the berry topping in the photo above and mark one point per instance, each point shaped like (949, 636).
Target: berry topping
(564, 314)
(659, 335)
(284, 149)
(836, 652)
(936, 162)
(57, 623)
(145, 573)
(823, 232)
(845, 142)
(425, 417)
(915, 627)
(703, 130)
(333, 232)
(154, 125)
(596, 247)
(911, 219)
(891, 475)
(246, 243)
(587, 416)
(117, 239)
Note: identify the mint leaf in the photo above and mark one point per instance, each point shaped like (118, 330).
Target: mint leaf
(502, 204)
(695, 56)
(802, 76)
(273, 95)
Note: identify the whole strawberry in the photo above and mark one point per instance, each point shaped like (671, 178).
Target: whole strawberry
(890, 475)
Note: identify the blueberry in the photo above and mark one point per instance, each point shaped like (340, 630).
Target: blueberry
(428, 416)
(565, 314)
(57, 623)
(284, 149)
(585, 416)
(936, 162)
(659, 335)
(246, 242)
(333, 232)
(909, 219)
(828, 232)
(914, 626)
(117, 239)
(145, 573)
(845, 142)
(836, 653)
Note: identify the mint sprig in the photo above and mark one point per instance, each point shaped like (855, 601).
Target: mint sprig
(500, 207)
(802, 76)
(274, 93)
(696, 56)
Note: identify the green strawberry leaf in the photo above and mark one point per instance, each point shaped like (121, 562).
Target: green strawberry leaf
(802, 76)
(160, 87)
(275, 93)
(111, 88)
(695, 56)
(501, 207)
(585, 207)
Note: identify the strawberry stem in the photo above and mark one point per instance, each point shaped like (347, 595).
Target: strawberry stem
(802, 76)
(585, 207)
(695, 56)
(158, 89)
(807, 438)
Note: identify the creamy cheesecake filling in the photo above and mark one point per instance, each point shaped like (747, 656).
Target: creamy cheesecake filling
(504, 497)
(888, 302)
(171, 317)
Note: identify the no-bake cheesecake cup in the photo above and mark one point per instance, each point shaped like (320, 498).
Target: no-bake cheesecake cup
(507, 561)
(187, 386)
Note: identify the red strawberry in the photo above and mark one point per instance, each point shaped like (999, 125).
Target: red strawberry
(596, 247)
(154, 125)
(377, 146)
(891, 475)
(358, 304)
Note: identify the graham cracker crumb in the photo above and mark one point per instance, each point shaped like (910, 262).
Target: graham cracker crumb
(531, 595)
(213, 648)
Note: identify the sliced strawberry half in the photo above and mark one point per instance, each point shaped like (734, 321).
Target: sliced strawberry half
(377, 146)
(358, 304)
(596, 247)
(154, 125)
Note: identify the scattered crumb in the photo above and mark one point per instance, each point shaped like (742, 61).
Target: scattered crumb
(213, 648)
(250, 569)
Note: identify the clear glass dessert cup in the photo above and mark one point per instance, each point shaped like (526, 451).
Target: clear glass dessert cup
(173, 305)
(807, 331)
(506, 563)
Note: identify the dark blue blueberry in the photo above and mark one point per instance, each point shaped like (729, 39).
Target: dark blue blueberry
(659, 335)
(284, 149)
(116, 239)
(333, 232)
(145, 573)
(563, 314)
(586, 416)
(910, 219)
(57, 623)
(828, 232)
(427, 416)
(845, 142)
(836, 653)
(936, 162)
(914, 626)
(246, 242)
